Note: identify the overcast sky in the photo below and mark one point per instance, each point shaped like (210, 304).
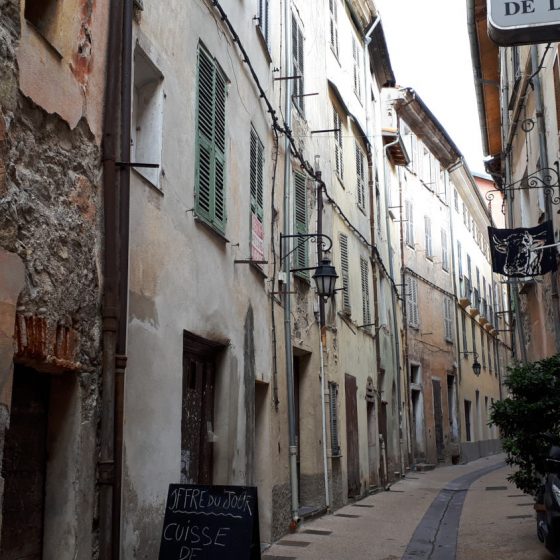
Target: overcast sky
(429, 49)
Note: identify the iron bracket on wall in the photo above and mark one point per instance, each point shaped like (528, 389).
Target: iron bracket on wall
(547, 179)
(325, 240)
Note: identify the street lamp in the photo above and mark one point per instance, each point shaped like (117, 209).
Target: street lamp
(476, 367)
(325, 279)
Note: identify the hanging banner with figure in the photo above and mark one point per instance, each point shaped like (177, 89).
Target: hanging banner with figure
(523, 252)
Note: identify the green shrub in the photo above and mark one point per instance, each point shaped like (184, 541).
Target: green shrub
(528, 417)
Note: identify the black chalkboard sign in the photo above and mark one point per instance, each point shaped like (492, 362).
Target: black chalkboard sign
(210, 523)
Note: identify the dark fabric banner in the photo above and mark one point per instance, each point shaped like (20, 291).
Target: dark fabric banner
(518, 252)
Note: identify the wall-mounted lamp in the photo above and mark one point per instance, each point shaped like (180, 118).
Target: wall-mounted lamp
(476, 367)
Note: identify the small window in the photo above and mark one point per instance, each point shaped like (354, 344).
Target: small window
(298, 67)
(338, 151)
(147, 117)
(464, 329)
(360, 177)
(468, 434)
(456, 199)
(46, 18)
(345, 273)
(460, 260)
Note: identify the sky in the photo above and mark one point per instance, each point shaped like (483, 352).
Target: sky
(429, 49)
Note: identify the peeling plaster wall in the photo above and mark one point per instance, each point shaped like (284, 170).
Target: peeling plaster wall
(50, 223)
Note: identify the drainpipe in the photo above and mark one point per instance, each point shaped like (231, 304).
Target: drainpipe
(543, 150)
(287, 298)
(106, 474)
(123, 247)
(396, 345)
(323, 342)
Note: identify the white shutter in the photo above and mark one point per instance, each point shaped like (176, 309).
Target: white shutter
(345, 269)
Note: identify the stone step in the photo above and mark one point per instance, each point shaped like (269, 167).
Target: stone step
(423, 467)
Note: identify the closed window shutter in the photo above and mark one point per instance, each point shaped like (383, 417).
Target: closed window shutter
(366, 312)
(412, 301)
(428, 233)
(301, 252)
(444, 251)
(333, 398)
(210, 142)
(263, 18)
(297, 58)
(357, 68)
(360, 176)
(338, 159)
(333, 7)
(409, 216)
(256, 174)
(447, 311)
(345, 269)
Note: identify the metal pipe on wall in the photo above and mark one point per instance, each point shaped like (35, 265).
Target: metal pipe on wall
(106, 474)
(285, 251)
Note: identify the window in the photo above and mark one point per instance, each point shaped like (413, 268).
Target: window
(333, 406)
(297, 62)
(412, 301)
(456, 199)
(210, 159)
(444, 251)
(468, 434)
(473, 329)
(345, 269)
(490, 349)
(357, 56)
(409, 221)
(428, 236)
(465, 215)
(301, 253)
(360, 176)
(366, 312)
(377, 204)
(264, 25)
(257, 207)
(460, 260)
(46, 16)
(333, 9)
(147, 117)
(338, 153)
(447, 318)
(483, 350)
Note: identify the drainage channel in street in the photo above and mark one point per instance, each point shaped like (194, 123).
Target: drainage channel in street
(435, 537)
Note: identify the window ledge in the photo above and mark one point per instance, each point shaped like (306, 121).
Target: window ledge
(149, 182)
(209, 227)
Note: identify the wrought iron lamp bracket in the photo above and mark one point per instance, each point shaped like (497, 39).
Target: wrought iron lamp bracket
(547, 179)
(325, 240)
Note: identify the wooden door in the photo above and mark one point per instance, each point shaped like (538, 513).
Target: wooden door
(438, 419)
(24, 467)
(197, 420)
(352, 440)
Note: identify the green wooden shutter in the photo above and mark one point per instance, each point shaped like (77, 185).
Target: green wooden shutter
(300, 197)
(256, 174)
(297, 59)
(360, 177)
(210, 175)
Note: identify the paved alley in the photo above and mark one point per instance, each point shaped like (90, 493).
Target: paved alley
(462, 512)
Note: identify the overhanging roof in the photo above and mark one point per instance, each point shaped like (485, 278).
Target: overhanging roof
(425, 126)
(380, 62)
(486, 69)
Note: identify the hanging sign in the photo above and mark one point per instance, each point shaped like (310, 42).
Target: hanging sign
(523, 22)
(523, 252)
(210, 523)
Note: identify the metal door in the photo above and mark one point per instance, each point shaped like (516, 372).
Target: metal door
(352, 441)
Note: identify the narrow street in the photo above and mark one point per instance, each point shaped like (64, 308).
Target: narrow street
(462, 512)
